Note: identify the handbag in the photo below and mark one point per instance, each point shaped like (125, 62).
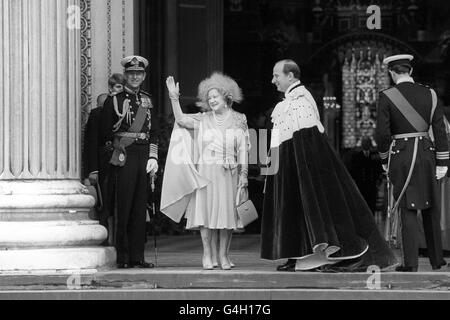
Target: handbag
(246, 211)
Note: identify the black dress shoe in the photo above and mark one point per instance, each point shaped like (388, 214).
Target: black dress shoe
(142, 265)
(123, 266)
(443, 263)
(406, 269)
(288, 266)
(352, 265)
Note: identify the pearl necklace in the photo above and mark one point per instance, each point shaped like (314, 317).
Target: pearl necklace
(220, 121)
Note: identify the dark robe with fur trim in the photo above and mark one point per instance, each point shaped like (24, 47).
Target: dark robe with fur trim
(312, 207)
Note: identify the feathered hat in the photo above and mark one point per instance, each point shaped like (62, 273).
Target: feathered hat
(226, 85)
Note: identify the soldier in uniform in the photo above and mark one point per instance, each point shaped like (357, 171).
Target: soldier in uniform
(95, 165)
(128, 120)
(406, 112)
(97, 154)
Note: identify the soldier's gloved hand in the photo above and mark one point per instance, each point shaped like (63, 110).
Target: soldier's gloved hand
(152, 166)
(93, 178)
(441, 171)
(385, 167)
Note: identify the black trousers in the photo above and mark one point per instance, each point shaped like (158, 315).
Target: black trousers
(410, 236)
(131, 199)
(104, 181)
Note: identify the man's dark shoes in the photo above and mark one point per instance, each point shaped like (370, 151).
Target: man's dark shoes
(142, 265)
(443, 263)
(122, 265)
(288, 266)
(406, 269)
(353, 265)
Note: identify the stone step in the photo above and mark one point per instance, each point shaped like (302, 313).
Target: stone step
(218, 279)
(241, 295)
(179, 276)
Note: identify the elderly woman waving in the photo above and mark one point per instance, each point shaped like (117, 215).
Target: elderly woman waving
(213, 146)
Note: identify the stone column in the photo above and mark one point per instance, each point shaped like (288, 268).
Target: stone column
(111, 39)
(214, 35)
(44, 221)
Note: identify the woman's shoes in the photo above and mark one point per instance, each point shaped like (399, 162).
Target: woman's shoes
(207, 265)
(216, 264)
(225, 264)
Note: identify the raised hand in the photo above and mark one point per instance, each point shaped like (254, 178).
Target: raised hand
(174, 89)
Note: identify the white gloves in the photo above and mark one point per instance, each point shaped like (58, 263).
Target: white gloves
(385, 167)
(441, 171)
(243, 191)
(243, 181)
(152, 166)
(242, 196)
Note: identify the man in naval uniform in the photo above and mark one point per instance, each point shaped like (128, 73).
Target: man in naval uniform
(406, 112)
(129, 121)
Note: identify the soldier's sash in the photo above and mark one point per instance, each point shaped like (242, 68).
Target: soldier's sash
(417, 121)
(408, 111)
(120, 143)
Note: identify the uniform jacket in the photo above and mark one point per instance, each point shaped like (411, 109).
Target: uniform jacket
(111, 118)
(422, 190)
(96, 153)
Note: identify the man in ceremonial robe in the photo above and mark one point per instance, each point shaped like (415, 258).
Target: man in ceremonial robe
(313, 213)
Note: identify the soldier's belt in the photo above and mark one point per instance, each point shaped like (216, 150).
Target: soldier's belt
(410, 135)
(132, 135)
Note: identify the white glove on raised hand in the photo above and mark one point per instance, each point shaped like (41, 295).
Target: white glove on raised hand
(173, 88)
(441, 171)
(152, 166)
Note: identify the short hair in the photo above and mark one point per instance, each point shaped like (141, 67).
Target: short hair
(401, 68)
(291, 66)
(116, 78)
